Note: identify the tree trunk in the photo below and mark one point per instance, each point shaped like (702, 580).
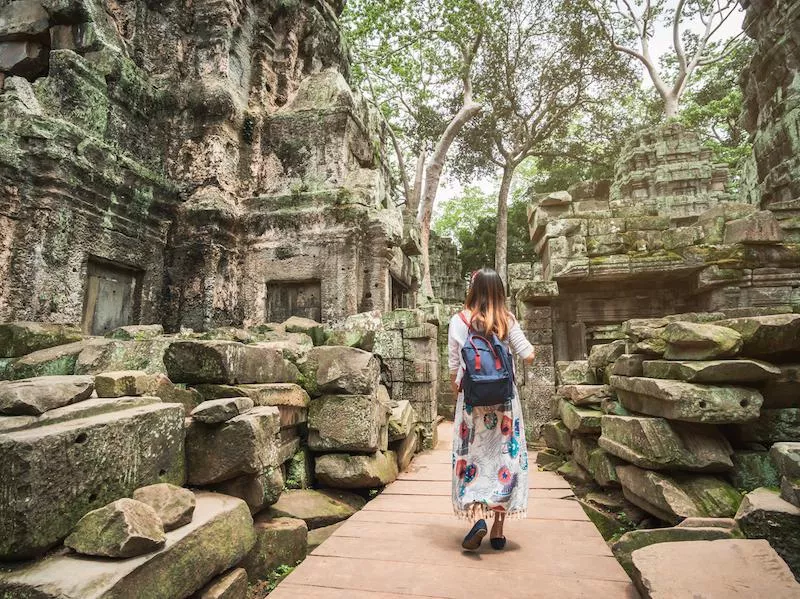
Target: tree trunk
(501, 244)
(670, 105)
(433, 173)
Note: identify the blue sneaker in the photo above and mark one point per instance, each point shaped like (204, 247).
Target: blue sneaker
(474, 537)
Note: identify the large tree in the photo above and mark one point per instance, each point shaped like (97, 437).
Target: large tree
(415, 58)
(544, 70)
(697, 27)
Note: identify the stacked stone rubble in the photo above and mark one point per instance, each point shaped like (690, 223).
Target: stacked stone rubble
(447, 282)
(693, 417)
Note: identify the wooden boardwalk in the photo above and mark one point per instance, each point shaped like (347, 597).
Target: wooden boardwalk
(406, 543)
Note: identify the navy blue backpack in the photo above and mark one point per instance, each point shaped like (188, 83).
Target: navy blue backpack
(489, 375)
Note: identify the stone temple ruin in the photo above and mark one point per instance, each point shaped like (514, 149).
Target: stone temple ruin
(199, 193)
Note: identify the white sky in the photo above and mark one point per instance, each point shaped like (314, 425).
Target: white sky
(660, 44)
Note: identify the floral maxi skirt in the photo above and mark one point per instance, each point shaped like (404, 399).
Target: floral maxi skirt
(490, 460)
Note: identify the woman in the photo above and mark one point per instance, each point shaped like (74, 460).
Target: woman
(490, 458)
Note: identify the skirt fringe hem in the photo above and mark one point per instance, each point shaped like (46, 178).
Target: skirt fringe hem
(476, 511)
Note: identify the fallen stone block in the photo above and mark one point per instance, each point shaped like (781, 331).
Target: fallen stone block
(219, 536)
(786, 457)
(136, 332)
(549, 459)
(601, 356)
(231, 585)
(580, 420)
(575, 474)
(351, 423)
(758, 228)
(217, 411)
(405, 449)
(711, 371)
(226, 362)
(726, 568)
(636, 539)
(783, 391)
(401, 421)
(658, 444)
(174, 505)
(280, 541)
(771, 426)
(753, 469)
(575, 372)
(677, 496)
(21, 338)
(687, 401)
(257, 490)
(345, 370)
(111, 355)
(766, 335)
(39, 395)
(317, 508)
(297, 324)
(266, 394)
(343, 471)
(246, 444)
(608, 523)
(124, 528)
(51, 475)
(318, 536)
(764, 515)
(53, 361)
(169, 392)
(629, 365)
(557, 436)
(585, 395)
(698, 341)
(123, 383)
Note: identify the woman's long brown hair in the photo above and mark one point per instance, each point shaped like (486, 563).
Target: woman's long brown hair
(486, 301)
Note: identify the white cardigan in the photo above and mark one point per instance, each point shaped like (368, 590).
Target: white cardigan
(457, 337)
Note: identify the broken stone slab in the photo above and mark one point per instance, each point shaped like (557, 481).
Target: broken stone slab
(608, 523)
(585, 395)
(771, 426)
(786, 457)
(575, 372)
(677, 496)
(658, 444)
(61, 471)
(110, 355)
(318, 536)
(350, 423)
(628, 365)
(317, 508)
(601, 356)
(265, 394)
(124, 528)
(594, 460)
(218, 537)
(21, 338)
(257, 490)
(753, 469)
(557, 436)
(53, 361)
(36, 396)
(725, 568)
(295, 347)
(136, 332)
(699, 341)
(343, 471)
(765, 335)
(246, 444)
(231, 585)
(345, 370)
(401, 421)
(123, 383)
(764, 515)
(784, 390)
(580, 420)
(549, 459)
(405, 449)
(613, 407)
(226, 362)
(169, 392)
(790, 490)
(636, 539)
(711, 371)
(174, 505)
(280, 541)
(23, 19)
(688, 402)
(297, 324)
(575, 474)
(83, 409)
(217, 411)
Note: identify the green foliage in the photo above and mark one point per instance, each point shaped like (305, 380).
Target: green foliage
(464, 212)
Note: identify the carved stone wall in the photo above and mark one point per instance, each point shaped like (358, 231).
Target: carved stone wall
(215, 152)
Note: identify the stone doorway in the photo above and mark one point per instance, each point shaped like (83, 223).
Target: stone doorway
(294, 298)
(112, 296)
(400, 295)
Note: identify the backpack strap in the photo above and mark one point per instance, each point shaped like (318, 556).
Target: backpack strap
(466, 322)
